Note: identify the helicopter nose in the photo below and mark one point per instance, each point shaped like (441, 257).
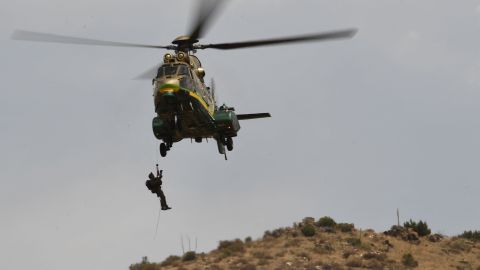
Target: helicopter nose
(169, 86)
(167, 90)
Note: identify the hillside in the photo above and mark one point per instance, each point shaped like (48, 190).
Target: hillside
(323, 244)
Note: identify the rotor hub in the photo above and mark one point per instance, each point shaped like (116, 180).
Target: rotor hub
(184, 40)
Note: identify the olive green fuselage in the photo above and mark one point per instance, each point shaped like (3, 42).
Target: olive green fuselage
(186, 108)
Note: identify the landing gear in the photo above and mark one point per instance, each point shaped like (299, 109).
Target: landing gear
(163, 149)
(229, 143)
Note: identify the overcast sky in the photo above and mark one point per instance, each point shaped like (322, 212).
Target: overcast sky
(360, 127)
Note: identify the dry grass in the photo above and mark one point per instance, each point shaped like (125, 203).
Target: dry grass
(288, 248)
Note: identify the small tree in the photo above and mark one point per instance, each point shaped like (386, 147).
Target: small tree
(326, 222)
(229, 248)
(308, 230)
(189, 256)
(421, 227)
(471, 235)
(345, 227)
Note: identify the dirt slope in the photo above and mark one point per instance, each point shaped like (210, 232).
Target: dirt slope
(331, 247)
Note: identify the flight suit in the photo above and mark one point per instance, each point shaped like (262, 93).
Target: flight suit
(154, 184)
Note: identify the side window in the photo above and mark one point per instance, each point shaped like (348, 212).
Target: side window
(160, 72)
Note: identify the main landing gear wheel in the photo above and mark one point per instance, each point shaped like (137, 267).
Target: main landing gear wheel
(229, 143)
(163, 149)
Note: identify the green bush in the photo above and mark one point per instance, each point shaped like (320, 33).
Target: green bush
(229, 248)
(345, 227)
(275, 233)
(278, 232)
(144, 265)
(421, 227)
(248, 239)
(409, 261)
(170, 260)
(471, 235)
(308, 230)
(189, 256)
(326, 222)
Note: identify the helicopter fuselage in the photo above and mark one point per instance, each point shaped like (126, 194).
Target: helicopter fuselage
(186, 107)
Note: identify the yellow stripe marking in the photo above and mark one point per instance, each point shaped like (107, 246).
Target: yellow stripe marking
(192, 94)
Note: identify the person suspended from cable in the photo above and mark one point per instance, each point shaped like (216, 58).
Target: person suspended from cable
(154, 184)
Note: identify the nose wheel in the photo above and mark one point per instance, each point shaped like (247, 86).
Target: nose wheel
(164, 148)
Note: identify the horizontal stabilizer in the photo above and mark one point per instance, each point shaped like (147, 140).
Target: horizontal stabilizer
(252, 116)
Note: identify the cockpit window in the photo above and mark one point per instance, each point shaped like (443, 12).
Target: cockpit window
(182, 70)
(166, 71)
(170, 70)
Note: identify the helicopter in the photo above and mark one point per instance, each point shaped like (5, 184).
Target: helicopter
(185, 107)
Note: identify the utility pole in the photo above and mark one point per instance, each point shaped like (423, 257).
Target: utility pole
(398, 218)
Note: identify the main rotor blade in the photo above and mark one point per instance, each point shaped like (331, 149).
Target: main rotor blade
(205, 12)
(46, 37)
(148, 74)
(275, 41)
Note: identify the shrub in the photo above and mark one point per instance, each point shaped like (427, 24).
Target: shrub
(326, 222)
(421, 227)
(277, 232)
(144, 265)
(471, 235)
(409, 224)
(189, 256)
(345, 227)
(458, 245)
(170, 260)
(308, 230)
(409, 261)
(228, 248)
(308, 220)
(248, 239)
(356, 242)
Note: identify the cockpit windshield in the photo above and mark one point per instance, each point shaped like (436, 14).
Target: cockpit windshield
(182, 70)
(166, 71)
(171, 70)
